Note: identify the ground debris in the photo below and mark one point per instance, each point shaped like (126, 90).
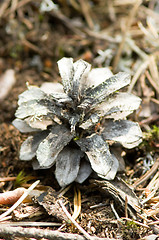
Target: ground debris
(49, 201)
(120, 192)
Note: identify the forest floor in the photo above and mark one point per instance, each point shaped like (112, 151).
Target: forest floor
(121, 35)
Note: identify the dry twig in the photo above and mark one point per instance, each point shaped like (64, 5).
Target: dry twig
(7, 179)
(3, 7)
(86, 12)
(114, 211)
(74, 222)
(30, 224)
(41, 233)
(19, 5)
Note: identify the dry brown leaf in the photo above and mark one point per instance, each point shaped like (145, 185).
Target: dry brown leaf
(12, 196)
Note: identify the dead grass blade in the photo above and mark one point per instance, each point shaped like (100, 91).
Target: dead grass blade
(152, 212)
(77, 204)
(139, 71)
(153, 187)
(154, 77)
(138, 223)
(128, 25)
(153, 223)
(30, 224)
(147, 175)
(126, 206)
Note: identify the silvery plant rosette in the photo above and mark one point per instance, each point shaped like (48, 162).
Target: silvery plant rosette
(64, 121)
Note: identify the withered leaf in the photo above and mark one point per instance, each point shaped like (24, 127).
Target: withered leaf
(7, 80)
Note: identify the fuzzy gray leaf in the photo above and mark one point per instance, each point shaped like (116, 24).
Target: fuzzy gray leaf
(33, 93)
(54, 108)
(126, 132)
(98, 75)
(91, 121)
(122, 104)
(40, 123)
(36, 165)
(60, 98)
(99, 93)
(99, 155)
(22, 126)
(31, 108)
(67, 165)
(84, 171)
(30, 145)
(52, 145)
(74, 119)
(81, 69)
(114, 168)
(66, 70)
(49, 87)
(118, 106)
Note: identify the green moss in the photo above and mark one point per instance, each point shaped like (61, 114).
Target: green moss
(130, 230)
(150, 138)
(41, 17)
(15, 51)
